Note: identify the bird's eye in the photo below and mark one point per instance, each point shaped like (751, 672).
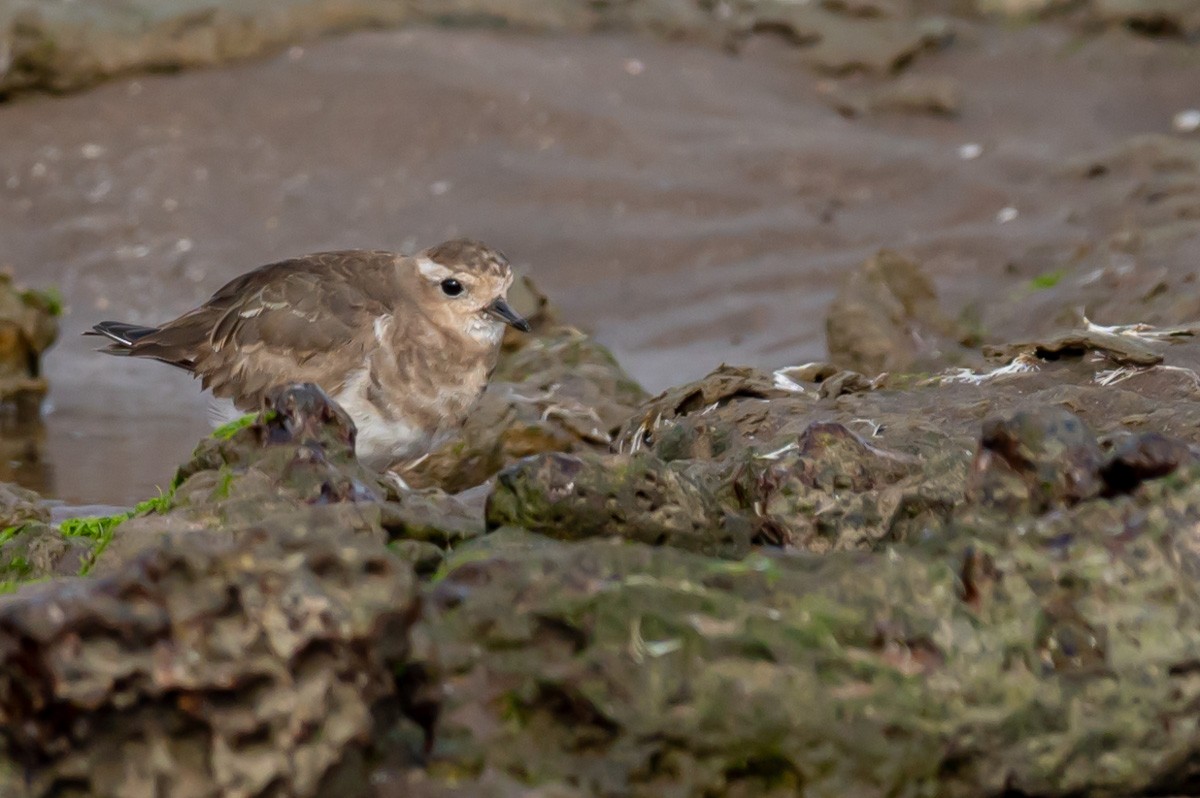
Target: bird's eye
(451, 287)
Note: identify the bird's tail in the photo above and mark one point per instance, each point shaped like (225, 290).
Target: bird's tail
(122, 335)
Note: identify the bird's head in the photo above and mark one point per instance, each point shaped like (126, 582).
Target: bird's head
(464, 285)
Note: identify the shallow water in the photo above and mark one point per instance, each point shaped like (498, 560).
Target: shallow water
(687, 206)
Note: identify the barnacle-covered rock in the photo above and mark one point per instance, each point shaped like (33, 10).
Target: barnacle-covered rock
(35, 551)
(632, 497)
(829, 489)
(1036, 460)
(215, 663)
(1042, 661)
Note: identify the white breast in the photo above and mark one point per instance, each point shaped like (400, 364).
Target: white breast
(381, 441)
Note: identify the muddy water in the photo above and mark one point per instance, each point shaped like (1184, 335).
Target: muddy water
(687, 206)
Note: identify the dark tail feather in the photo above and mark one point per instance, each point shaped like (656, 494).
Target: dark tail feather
(122, 335)
(128, 340)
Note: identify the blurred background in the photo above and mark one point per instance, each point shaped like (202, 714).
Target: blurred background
(689, 180)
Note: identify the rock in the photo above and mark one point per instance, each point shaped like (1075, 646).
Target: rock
(1141, 457)
(1170, 18)
(38, 551)
(1034, 461)
(806, 581)
(300, 448)
(57, 48)
(1067, 642)
(911, 94)
(801, 581)
(886, 318)
(830, 489)
(433, 516)
(1021, 8)
(632, 497)
(31, 549)
(841, 38)
(1123, 350)
(767, 457)
(20, 506)
(216, 663)
(838, 458)
(638, 670)
(293, 464)
(749, 443)
(1143, 155)
(1153, 18)
(28, 327)
(777, 458)
(423, 526)
(849, 382)
(682, 422)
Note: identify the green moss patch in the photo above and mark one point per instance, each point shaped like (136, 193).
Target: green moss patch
(231, 428)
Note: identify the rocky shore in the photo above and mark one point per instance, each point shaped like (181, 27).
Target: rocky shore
(971, 580)
(955, 557)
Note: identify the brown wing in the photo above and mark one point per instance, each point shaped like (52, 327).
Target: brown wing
(309, 319)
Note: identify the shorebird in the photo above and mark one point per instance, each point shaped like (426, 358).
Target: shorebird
(404, 344)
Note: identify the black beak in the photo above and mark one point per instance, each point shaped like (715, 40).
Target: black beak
(500, 310)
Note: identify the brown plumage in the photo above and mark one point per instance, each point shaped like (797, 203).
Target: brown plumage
(404, 344)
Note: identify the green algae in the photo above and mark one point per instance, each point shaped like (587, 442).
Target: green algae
(1047, 280)
(7, 533)
(230, 428)
(49, 300)
(99, 529)
(95, 532)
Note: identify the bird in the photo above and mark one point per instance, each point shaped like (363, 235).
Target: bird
(404, 344)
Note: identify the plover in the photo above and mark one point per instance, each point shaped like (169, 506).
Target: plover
(404, 344)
